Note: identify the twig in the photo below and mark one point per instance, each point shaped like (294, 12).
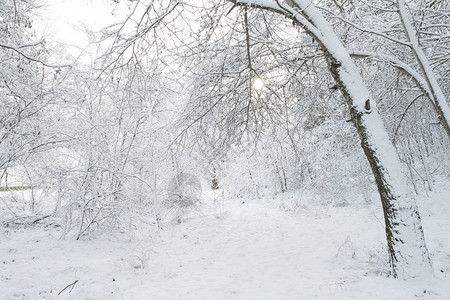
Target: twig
(72, 285)
(403, 116)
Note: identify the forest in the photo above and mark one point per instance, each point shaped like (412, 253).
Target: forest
(226, 149)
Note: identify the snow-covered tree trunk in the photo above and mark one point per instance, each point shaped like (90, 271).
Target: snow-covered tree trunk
(440, 103)
(407, 250)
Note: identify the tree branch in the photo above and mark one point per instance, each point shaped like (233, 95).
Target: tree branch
(21, 53)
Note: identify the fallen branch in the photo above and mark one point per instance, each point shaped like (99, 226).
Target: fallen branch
(41, 218)
(70, 285)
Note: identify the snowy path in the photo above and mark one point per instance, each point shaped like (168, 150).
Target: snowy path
(256, 251)
(253, 252)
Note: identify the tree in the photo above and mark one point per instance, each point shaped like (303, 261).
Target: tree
(374, 32)
(24, 86)
(407, 250)
(107, 164)
(437, 96)
(411, 38)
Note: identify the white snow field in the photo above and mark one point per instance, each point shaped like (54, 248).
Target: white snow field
(282, 248)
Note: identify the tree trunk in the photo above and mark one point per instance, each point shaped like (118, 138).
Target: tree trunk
(440, 103)
(408, 254)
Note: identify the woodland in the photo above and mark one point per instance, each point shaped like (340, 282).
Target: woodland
(179, 108)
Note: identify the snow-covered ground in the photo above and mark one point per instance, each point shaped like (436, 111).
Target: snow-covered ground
(282, 248)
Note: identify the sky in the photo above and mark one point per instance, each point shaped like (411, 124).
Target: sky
(63, 21)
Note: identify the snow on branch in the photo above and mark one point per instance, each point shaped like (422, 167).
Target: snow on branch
(18, 50)
(121, 43)
(395, 62)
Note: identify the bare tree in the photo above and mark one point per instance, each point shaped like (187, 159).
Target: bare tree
(27, 85)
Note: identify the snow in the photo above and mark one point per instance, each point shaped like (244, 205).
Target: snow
(423, 60)
(283, 248)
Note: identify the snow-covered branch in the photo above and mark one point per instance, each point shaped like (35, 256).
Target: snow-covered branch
(18, 50)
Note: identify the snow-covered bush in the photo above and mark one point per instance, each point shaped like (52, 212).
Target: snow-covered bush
(325, 160)
(184, 190)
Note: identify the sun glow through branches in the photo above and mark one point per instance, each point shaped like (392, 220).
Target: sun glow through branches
(258, 84)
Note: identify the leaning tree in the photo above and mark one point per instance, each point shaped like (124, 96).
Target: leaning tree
(407, 250)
